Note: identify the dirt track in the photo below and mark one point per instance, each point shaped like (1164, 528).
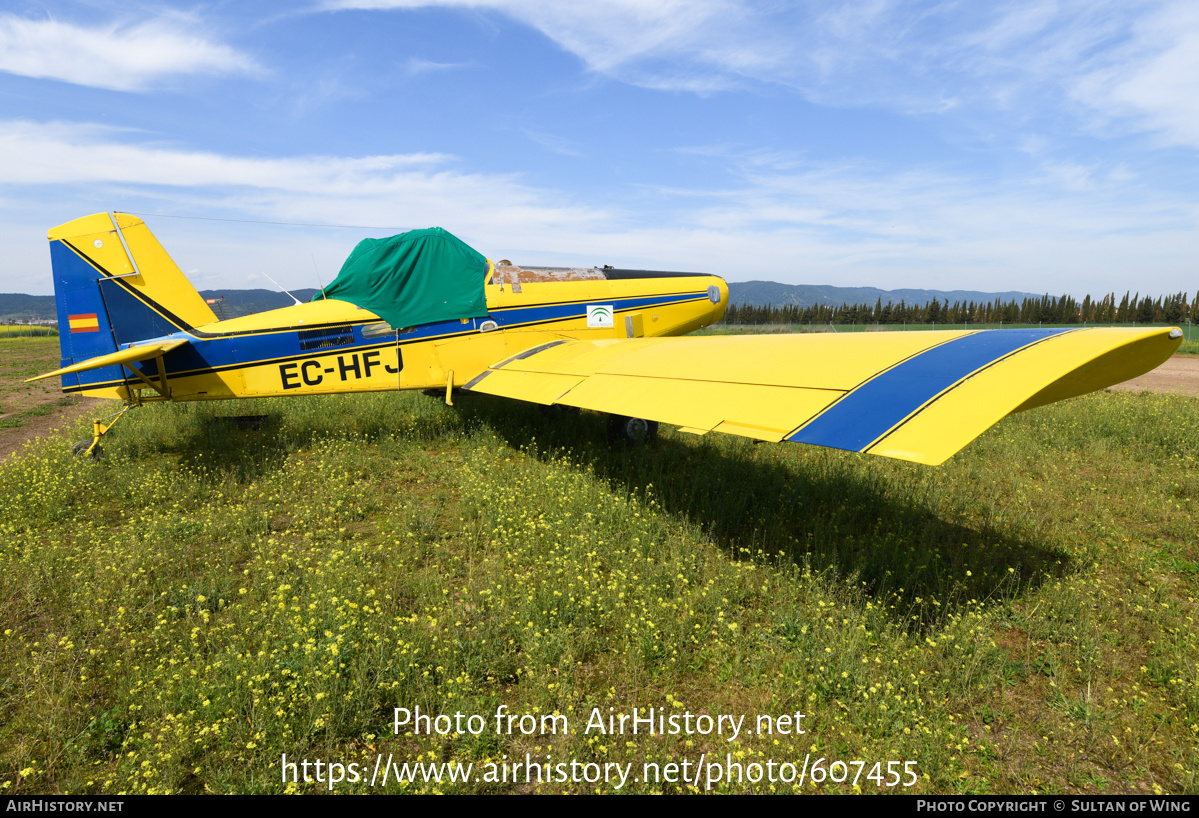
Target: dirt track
(13, 440)
(1179, 376)
(29, 410)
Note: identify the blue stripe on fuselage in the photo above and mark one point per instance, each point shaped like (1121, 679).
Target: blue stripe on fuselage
(868, 412)
(539, 313)
(205, 354)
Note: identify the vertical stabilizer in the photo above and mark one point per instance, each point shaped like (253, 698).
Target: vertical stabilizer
(108, 296)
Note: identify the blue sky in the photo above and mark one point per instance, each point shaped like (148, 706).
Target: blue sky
(1034, 145)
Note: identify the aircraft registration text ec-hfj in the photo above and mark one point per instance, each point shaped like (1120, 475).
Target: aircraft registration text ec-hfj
(424, 310)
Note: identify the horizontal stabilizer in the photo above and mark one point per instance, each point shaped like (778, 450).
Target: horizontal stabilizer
(918, 396)
(143, 352)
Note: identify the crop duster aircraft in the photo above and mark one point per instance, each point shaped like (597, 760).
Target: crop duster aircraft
(423, 310)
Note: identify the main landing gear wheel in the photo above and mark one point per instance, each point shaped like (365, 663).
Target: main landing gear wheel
(631, 431)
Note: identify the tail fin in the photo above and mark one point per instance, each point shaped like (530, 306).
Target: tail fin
(115, 285)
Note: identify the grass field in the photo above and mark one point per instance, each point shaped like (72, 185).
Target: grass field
(206, 598)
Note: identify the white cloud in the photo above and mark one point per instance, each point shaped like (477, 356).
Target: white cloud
(608, 35)
(122, 57)
(1013, 61)
(1067, 228)
(555, 143)
(71, 153)
(88, 164)
(1153, 80)
(415, 66)
(1070, 175)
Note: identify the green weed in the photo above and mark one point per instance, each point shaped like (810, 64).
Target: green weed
(209, 596)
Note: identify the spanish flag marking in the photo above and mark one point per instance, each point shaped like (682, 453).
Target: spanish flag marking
(84, 323)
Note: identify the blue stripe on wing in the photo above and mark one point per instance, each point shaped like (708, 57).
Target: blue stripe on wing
(870, 411)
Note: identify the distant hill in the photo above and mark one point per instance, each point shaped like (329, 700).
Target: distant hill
(21, 307)
(763, 293)
(247, 302)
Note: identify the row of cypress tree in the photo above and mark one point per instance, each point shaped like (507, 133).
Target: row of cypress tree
(1131, 309)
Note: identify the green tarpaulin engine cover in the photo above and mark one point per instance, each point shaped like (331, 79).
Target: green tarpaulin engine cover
(414, 278)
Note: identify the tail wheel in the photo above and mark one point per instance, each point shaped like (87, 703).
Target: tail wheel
(80, 449)
(631, 431)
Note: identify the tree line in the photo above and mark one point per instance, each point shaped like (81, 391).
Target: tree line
(1131, 309)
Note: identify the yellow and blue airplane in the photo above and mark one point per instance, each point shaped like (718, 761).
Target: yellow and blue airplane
(423, 310)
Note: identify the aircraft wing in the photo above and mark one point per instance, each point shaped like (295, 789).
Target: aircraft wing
(918, 396)
(141, 352)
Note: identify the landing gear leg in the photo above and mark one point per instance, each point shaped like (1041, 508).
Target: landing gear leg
(631, 431)
(559, 409)
(91, 448)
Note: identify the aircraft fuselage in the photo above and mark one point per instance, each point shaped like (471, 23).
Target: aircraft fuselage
(325, 347)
